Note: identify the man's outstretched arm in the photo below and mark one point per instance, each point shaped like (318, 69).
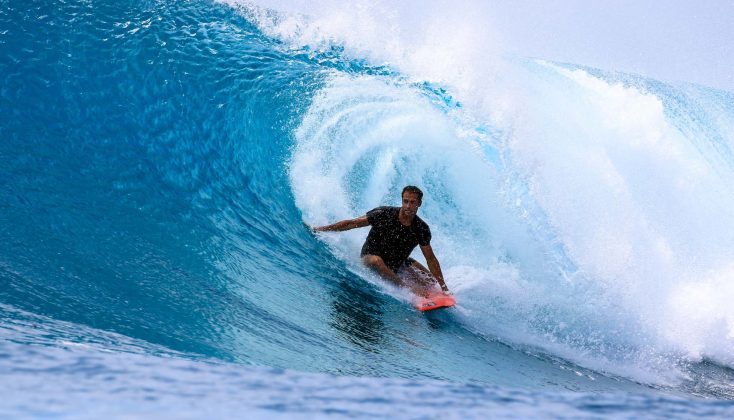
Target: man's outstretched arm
(434, 266)
(343, 225)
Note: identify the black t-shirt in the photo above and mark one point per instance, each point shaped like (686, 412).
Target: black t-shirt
(392, 241)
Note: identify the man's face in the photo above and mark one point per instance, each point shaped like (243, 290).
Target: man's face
(411, 202)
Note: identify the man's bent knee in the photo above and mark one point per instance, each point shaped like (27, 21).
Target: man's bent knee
(373, 260)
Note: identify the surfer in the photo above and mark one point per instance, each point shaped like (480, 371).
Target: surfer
(394, 234)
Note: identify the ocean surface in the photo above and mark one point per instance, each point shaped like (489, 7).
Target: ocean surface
(158, 161)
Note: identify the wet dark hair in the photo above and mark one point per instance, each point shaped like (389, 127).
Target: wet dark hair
(412, 189)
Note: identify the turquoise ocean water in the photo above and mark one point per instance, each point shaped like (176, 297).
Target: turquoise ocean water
(158, 160)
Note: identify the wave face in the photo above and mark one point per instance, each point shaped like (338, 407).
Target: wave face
(158, 160)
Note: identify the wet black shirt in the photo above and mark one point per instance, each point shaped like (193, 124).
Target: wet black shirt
(392, 241)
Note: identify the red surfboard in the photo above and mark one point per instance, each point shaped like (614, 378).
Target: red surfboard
(435, 300)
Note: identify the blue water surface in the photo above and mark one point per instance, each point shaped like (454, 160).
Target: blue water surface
(153, 262)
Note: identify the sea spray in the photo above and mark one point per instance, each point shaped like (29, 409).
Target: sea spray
(604, 213)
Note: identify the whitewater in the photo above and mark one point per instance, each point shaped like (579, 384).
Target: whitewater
(159, 161)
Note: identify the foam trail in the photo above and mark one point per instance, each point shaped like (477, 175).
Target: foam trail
(638, 206)
(594, 221)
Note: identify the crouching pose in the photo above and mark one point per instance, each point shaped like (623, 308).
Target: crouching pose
(394, 234)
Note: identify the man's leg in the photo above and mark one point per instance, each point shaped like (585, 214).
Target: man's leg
(376, 263)
(421, 273)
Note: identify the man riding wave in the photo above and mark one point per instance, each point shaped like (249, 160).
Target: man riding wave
(394, 234)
